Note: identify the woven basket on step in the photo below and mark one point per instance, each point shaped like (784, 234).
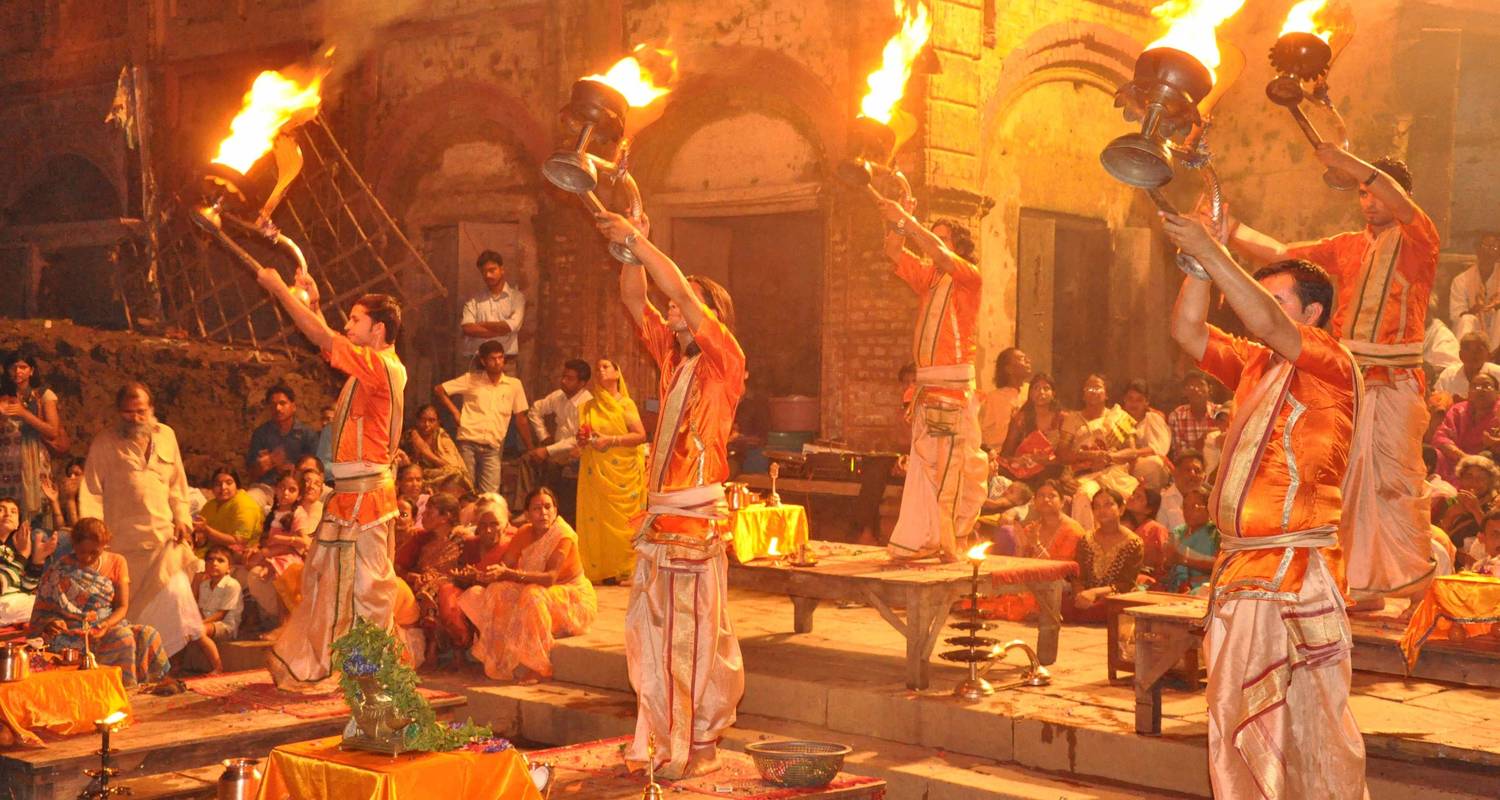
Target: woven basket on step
(798, 763)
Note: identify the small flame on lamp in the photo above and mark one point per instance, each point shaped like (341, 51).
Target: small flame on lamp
(1191, 26)
(113, 719)
(631, 77)
(274, 101)
(772, 551)
(888, 83)
(1309, 16)
(978, 551)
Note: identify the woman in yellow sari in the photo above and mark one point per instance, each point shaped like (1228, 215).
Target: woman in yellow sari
(611, 476)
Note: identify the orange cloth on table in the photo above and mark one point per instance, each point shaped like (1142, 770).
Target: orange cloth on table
(754, 527)
(1466, 599)
(61, 701)
(1284, 457)
(1383, 283)
(318, 768)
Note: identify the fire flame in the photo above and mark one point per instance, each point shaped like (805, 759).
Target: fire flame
(1191, 25)
(772, 551)
(113, 719)
(1309, 16)
(274, 100)
(888, 83)
(978, 551)
(631, 76)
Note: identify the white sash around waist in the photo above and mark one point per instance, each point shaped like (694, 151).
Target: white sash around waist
(1376, 354)
(946, 375)
(698, 502)
(1326, 536)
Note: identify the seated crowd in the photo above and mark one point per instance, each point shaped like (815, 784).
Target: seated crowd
(1123, 489)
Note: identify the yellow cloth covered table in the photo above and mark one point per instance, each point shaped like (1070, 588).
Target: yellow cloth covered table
(62, 701)
(319, 769)
(1466, 599)
(754, 528)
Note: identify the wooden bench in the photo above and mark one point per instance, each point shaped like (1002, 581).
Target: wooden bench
(1164, 634)
(925, 590)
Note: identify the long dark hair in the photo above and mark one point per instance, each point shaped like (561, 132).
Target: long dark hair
(1028, 409)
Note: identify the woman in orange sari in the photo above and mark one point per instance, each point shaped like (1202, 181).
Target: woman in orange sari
(536, 593)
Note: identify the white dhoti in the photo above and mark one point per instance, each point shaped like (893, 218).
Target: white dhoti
(683, 657)
(1279, 724)
(945, 472)
(161, 592)
(347, 573)
(1386, 506)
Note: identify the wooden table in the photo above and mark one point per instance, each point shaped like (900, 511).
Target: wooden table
(926, 590)
(1164, 633)
(321, 768)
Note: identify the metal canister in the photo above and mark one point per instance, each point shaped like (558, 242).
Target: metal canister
(15, 662)
(240, 779)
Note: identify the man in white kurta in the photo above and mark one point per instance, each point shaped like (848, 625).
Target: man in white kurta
(1474, 296)
(133, 479)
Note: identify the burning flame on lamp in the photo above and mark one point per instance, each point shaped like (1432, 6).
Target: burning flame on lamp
(635, 82)
(888, 83)
(273, 102)
(978, 551)
(1309, 16)
(113, 719)
(1191, 27)
(772, 551)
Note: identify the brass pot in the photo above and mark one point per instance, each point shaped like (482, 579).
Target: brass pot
(15, 662)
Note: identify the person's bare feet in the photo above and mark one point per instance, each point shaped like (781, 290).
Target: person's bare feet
(703, 760)
(525, 676)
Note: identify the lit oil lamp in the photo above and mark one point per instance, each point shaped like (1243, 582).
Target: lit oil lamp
(596, 114)
(882, 127)
(1312, 37)
(1177, 81)
(98, 787)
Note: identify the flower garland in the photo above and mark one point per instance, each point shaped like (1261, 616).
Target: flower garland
(366, 651)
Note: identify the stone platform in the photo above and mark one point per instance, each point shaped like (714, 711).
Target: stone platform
(1073, 739)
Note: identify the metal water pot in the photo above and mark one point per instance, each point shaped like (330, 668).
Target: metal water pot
(15, 662)
(240, 779)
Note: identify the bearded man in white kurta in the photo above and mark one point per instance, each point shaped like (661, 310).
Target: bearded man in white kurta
(133, 479)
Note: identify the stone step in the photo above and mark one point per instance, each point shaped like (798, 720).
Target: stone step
(565, 713)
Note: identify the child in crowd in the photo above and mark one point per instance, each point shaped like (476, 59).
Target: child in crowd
(1483, 552)
(276, 568)
(220, 603)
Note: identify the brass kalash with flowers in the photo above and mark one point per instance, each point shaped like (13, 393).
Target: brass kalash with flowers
(1178, 79)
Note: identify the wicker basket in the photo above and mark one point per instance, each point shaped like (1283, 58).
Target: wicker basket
(798, 763)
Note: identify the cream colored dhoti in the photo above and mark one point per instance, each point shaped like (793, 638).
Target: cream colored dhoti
(945, 473)
(1279, 724)
(346, 573)
(1386, 509)
(680, 647)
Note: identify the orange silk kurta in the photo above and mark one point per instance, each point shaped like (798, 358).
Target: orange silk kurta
(948, 313)
(1384, 281)
(366, 426)
(699, 450)
(1285, 475)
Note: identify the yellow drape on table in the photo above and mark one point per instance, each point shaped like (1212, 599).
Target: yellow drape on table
(1465, 599)
(754, 528)
(63, 701)
(611, 487)
(319, 769)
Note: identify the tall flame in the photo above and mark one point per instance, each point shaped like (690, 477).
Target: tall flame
(888, 83)
(273, 101)
(1309, 16)
(632, 77)
(978, 551)
(771, 549)
(1191, 25)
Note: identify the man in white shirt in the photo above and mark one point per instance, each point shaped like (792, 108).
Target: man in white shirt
(493, 315)
(1474, 297)
(1153, 439)
(1187, 475)
(561, 455)
(490, 398)
(1473, 358)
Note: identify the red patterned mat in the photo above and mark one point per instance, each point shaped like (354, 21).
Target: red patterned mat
(253, 688)
(597, 770)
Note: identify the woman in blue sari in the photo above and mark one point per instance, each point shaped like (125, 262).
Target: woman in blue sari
(87, 591)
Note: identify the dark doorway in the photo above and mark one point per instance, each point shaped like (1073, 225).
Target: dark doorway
(772, 265)
(1063, 298)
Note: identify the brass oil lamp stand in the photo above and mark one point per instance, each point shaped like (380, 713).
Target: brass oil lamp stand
(974, 650)
(1301, 61)
(597, 112)
(98, 787)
